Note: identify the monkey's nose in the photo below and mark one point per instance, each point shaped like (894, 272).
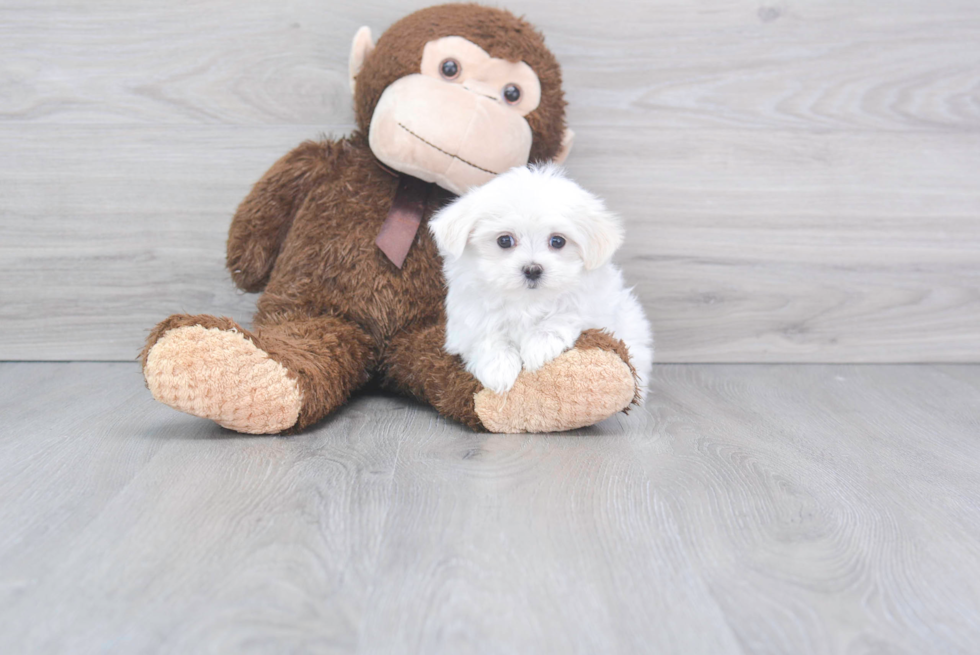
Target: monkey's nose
(532, 272)
(482, 89)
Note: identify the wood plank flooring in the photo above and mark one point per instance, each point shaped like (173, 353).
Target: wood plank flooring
(747, 509)
(800, 182)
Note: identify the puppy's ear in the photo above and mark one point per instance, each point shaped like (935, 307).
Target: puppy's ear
(602, 235)
(451, 226)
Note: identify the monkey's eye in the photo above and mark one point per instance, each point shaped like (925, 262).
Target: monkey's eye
(450, 69)
(557, 242)
(512, 93)
(505, 241)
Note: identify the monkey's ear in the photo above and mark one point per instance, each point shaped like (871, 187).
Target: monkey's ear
(566, 146)
(359, 50)
(452, 225)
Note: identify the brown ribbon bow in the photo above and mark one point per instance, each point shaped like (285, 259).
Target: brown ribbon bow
(399, 229)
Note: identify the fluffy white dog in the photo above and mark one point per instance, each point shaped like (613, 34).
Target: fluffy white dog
(526, 258)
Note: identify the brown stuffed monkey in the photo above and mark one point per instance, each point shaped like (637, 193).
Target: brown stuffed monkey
(352, 288)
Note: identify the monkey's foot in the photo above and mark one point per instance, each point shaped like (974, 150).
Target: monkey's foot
(219, 374)
(578, 388)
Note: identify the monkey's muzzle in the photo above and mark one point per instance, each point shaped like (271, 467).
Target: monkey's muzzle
(447, 134)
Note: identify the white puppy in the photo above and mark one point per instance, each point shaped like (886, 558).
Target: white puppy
(526, 258)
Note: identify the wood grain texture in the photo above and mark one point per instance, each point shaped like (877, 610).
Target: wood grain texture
(746, 509)
(745, 246)
(801, 179)
(804, 64)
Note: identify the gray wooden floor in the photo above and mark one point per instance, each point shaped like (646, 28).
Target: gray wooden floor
(749, 509)
(800, 182)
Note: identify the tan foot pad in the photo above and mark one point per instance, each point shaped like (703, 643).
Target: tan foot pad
(576, 389)
(221, 375)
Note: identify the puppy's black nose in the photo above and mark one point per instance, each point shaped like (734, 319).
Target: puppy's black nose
(532, 272)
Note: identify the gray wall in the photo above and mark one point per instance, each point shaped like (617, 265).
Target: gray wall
(801, 181)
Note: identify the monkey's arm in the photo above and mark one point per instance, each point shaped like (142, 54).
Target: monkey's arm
(263, 219)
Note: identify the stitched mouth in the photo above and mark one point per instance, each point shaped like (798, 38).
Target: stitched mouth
(432, 145)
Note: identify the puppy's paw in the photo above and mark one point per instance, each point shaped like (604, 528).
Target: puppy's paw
(498, 372)
(539, 349)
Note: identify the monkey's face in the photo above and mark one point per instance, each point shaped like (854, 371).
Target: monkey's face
(460, 120)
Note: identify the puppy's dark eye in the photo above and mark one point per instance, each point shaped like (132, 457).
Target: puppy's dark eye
(505, 241)
(512, 93)
(557, 242)
(450, 69)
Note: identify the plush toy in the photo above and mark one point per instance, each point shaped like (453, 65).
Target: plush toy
(352, 288)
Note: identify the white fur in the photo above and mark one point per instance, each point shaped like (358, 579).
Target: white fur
(501, 322)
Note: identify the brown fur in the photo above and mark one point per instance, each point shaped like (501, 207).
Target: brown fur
(336, 313)
(416, 364)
